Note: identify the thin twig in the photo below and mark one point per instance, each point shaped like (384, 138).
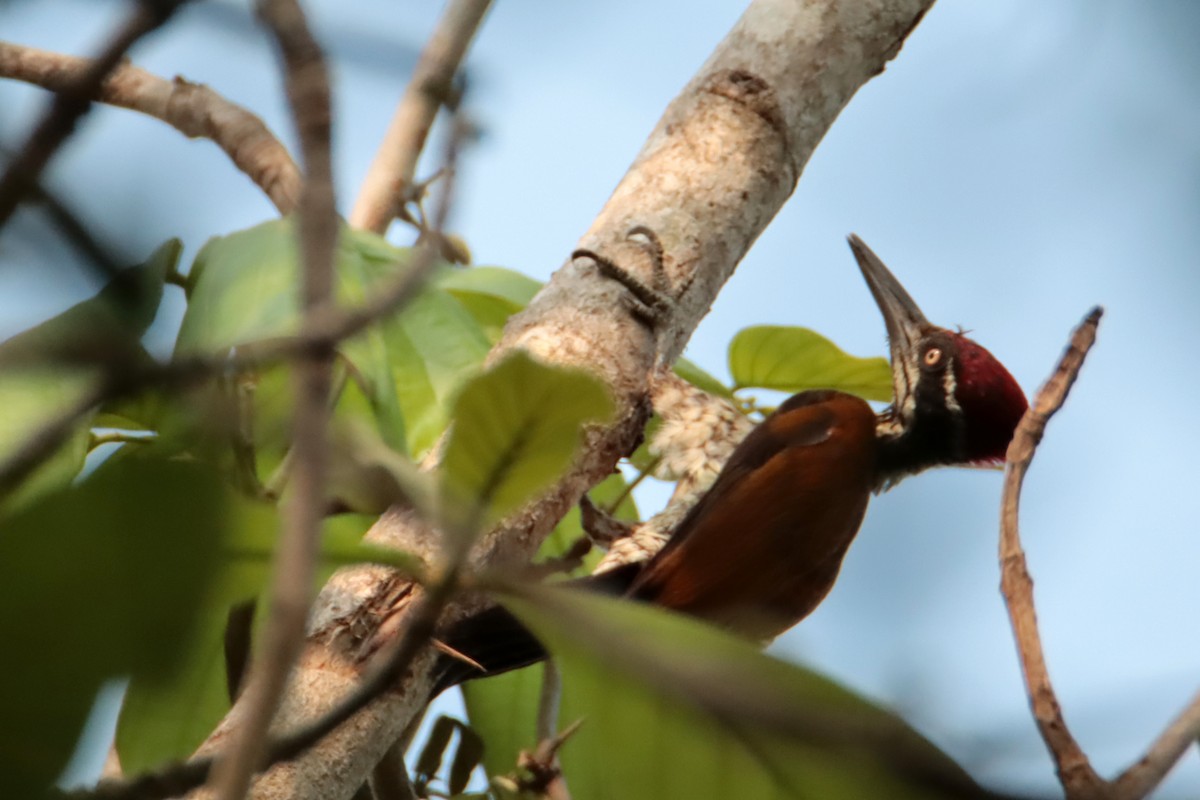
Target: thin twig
(1075, 773)
(324, 330)
(545, 777)
(612, 507)
(72, 102)
(390, 177)
(307, 81)
(549, 701)
(97, 254)
(1142, 777)
(396, 657)
(193, 109)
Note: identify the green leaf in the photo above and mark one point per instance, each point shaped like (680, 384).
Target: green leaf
(165, 717)
(516, 429)
(675, 708)
(508, 285)
(242, 287)
(368, 477)
(641, 458)
(693, 374)
(102, 579)
(490, 294)
(39, 384)
(433, 348)
(503, 711)
(346, 549)
(103, 326)
(29, 399)
(794, 359)
(144, 411)
(402, 371)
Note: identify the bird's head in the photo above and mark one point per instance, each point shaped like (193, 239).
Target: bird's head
(954, 402)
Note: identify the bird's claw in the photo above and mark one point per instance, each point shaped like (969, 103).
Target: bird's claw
(652, 303)
(601, 527)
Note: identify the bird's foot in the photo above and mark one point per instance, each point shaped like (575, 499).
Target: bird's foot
(650, 303)
(601, 527)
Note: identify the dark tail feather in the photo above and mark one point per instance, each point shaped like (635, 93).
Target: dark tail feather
(498, 642)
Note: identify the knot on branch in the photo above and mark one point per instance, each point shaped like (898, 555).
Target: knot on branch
(751, 92)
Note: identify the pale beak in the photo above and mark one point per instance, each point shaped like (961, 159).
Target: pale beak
(904, 320)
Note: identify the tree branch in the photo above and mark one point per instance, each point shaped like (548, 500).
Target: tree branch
(1144, 776)
(307, 81)
(72, 102)
(720, 164)
(390, 178)
(193, 109)
(1074, 770)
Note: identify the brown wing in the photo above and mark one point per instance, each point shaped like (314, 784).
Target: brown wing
(764, 545)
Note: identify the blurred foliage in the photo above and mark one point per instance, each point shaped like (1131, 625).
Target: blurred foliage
(46, 369)
(516, 429)
(671, 707)
(177, 527)
(102, 579)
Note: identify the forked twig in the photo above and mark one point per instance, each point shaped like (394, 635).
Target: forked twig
(391, 173)
(1075, 772)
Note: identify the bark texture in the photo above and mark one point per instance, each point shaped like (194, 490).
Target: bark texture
(724, 158)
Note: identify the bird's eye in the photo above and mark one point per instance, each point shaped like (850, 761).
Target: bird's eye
(932, 357)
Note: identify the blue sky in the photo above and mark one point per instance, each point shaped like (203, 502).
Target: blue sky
(1018, 163)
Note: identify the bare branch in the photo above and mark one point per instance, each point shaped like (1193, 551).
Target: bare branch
(193, 109)
(1074, 771)
(1144, 776)
(390, 177)
(307, 81)
(72, 102)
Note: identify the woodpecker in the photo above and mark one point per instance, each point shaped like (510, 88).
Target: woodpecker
(763, 547)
